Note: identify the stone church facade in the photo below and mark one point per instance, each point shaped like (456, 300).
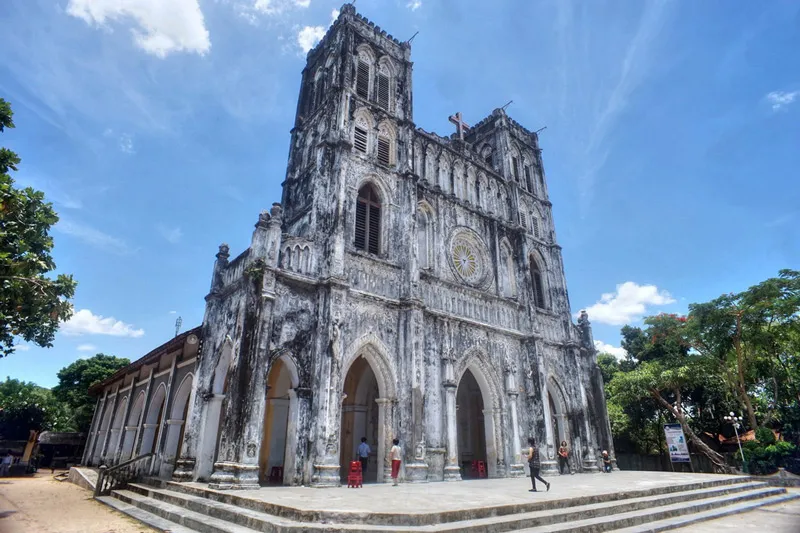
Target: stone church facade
(409, 286)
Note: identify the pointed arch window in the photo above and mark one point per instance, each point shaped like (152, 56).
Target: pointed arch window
(383, 93)
(424, 238)
(536, 282)
(515, 168)
(363, 71)
(523, 219)
(528, 180)
(386, 150)
(535, 226)
(368, 220)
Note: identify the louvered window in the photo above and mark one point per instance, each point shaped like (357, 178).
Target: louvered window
(384, 151)
(368, 220)
(383, 90)
(360, 139)
(535, 226)
(487, 158)
(528, 180)
(362, 79)
(538, 289)
(523, 219)
(515, 168)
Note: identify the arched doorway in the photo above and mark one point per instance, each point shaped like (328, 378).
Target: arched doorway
(153, 419)
(360, 418)
(176, 425)
(278, 443)
(470, 425)
(210, 438)
(558, 415)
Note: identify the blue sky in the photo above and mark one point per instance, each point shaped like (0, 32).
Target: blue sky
(672, 145)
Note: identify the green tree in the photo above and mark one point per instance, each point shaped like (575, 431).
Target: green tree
(666, 372)
(31, 303)
(750, 338)
(74, 382)
(25, 406)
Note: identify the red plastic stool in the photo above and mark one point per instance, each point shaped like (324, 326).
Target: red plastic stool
(355, 478)
(481, 469)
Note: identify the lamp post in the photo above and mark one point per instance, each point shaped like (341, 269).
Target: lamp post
(735, 421)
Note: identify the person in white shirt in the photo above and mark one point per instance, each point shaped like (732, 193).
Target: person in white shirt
(363, 454)
(5, 465)
(396, 456)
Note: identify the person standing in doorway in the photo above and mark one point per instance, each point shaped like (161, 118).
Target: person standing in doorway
(363, 454)
(396, 457)
(563, 457)
(535, 465)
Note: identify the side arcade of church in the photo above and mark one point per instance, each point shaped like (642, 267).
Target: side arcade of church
(408, 286)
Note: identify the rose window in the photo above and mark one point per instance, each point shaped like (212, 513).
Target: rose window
(469, 257)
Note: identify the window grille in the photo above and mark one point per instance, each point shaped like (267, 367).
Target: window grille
(368, 220)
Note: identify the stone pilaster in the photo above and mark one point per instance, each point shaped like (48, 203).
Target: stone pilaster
(516, 468)
(452, 470)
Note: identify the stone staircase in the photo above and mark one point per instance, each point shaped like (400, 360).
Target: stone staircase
(180, 508)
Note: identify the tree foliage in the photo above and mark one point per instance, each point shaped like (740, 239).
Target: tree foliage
(31, 303)
(739, 352)
(74, 382)
(25, 406)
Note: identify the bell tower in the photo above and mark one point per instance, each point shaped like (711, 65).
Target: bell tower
(354, 116)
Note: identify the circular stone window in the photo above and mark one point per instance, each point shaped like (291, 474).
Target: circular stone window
(469, 257)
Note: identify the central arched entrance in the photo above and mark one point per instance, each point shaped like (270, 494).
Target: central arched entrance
(360, 418)
(471, 427)
(279, 440)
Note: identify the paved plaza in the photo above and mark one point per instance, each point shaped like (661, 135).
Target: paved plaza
(424, 498)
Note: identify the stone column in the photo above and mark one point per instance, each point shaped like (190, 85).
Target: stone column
(589, 459)
(452, 470)
(385, 428)
(516, 468)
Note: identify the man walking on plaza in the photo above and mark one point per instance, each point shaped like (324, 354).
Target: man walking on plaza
(363, 455)
(535, 465)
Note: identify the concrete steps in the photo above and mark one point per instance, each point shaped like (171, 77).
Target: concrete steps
(179, 508)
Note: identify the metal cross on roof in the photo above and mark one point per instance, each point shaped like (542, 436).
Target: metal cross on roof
(461, 126)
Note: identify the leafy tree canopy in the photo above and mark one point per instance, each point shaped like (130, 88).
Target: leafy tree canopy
(74, 382)
(25, 406)
(31, 304)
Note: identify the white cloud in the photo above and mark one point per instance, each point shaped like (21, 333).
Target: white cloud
(126, 144)
(87, 348)
(413, 5)
(172, 312)
(780, 99)
(22, 348)
(616, 351)
(92, 236)
(172, 235)
(309, 36)
(628, 304)
(84, 322)
(163, 27)
(302, 3)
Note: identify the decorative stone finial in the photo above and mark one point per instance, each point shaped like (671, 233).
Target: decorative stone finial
(348, 8)
(276, 212)
(224, 252)
(583, 319)
(263, 219)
